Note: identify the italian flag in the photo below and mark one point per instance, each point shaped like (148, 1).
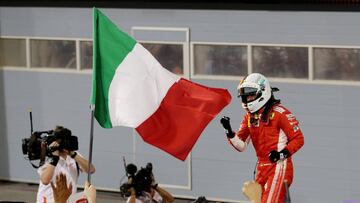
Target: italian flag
(131, 88)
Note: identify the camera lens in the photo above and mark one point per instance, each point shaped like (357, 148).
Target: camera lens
(131, 169)
(25, 145)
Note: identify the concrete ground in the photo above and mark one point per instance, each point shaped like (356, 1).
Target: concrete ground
(16, 192)
(25, 192)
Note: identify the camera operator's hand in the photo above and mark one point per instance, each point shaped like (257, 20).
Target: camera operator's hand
(131, 188)
(132, 198)
(132, 191)
(152, 179)
(130, 180)
(54, 145)
(72, 154)
(154, 184)
(167, 197)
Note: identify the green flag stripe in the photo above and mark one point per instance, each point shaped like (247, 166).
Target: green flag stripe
(110, 47)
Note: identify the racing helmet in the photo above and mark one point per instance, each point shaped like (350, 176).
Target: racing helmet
(254, 91)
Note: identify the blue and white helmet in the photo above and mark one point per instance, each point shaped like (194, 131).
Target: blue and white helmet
(255, 91)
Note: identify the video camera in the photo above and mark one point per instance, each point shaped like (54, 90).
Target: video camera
(139, 180)
(37, 146)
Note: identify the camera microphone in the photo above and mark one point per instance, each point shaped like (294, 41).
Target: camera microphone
(149, 166)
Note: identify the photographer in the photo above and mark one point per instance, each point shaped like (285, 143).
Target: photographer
(144, 189)
(61, 161)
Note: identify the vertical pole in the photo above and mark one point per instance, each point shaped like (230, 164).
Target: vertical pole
(92, 107)
(31, 122)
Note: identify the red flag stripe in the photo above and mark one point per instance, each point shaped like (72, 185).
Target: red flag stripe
(182, 116)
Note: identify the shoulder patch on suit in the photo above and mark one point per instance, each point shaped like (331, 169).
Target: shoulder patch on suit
(279, 109)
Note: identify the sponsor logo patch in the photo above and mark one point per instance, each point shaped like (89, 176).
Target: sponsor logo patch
(290, 117)
(295, 128)
(279, 109)
(272, 115)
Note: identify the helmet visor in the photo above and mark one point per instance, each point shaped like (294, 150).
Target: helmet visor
(248, 94)
(247, 91)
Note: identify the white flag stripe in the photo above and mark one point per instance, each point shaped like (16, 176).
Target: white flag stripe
(139, 85)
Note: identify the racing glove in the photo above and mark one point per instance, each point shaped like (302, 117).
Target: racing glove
(275, 156)
(225, 121)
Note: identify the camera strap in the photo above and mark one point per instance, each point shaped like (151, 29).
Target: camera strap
(77, 168)
(41, 162)
(42, 156)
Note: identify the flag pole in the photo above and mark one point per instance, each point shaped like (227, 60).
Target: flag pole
(92, 107)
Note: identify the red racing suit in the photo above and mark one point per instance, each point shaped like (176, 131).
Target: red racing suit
(278, 132)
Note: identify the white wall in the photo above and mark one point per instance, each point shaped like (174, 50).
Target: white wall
(326, 168)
